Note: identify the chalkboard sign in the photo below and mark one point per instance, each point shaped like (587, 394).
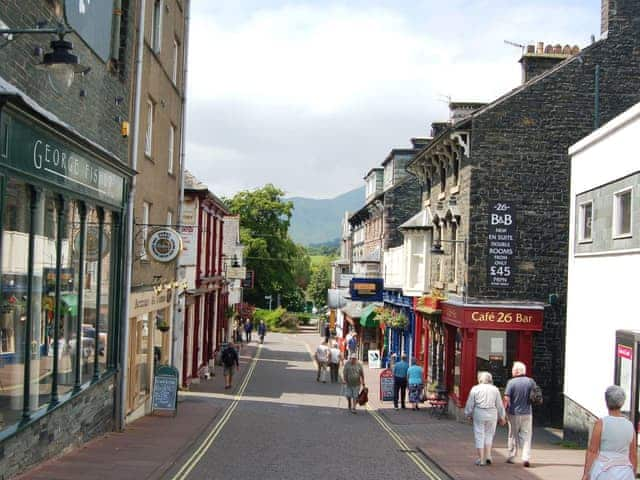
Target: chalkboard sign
(386, 385)
(165, 390)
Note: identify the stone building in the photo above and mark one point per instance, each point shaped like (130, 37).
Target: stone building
(64, 179)
(496, 185)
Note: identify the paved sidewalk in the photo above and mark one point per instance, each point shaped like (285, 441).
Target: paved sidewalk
(449, 444)
(150, 446)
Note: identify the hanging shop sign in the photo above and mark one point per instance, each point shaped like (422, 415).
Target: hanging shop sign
(164, 244)
(91, 21)
(489, 318)
(188, 234)
(501, 242)
(366, 289)
(236, 273)
(34, 151)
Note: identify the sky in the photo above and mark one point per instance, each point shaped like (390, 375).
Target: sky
(311, 94)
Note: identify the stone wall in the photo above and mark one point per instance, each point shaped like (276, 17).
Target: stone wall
(519, 155)
(106, 86)
(401, 202)
(73, 423)
(578, 422)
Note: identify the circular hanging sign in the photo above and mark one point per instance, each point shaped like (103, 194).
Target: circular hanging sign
(164, 244)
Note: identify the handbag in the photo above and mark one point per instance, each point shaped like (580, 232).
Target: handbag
(363, 396)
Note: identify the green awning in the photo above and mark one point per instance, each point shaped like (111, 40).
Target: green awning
(71, 302)
(368, 317)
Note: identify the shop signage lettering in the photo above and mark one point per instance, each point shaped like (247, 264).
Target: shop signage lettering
(501, 242)
(34, 151)
(188, 256)
(487, 318)
(366, 289)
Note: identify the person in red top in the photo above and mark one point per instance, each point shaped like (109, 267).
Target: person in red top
(342, 345)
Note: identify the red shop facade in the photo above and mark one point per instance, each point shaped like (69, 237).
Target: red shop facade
(457, 341)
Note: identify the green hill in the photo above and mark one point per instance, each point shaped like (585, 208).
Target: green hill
(319, 221)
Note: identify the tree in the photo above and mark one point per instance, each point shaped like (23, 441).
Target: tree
(319, 284)
(281, 267)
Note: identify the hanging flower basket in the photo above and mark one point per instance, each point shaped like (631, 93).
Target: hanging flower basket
(163, 326)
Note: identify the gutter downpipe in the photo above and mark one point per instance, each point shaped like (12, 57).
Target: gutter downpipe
(185, 43)
(124, 339)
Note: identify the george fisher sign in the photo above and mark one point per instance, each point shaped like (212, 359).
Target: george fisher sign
(501, 241)
(31, 149)
(493, 318)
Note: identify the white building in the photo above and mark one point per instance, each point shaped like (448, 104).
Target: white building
(604, 260)
(233, 255)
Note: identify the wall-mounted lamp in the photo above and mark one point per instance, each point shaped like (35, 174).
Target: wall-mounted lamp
(60, 64)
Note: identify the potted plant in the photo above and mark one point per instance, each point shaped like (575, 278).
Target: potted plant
(162, 325)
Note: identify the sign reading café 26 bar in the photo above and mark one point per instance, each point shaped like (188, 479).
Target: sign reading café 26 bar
(31, 149)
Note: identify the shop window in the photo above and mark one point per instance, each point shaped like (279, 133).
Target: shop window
(457, 363)
(622, 214)
(585, 221)
(105, 293)
(13, 313)
(496, 352)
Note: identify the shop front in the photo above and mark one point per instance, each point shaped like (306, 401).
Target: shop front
(150, 319)
(429, 339)
(400, 326)
(483, 338)
(62, 201)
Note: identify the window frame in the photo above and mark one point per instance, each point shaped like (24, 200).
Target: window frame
(616, 214)
(176, 58)
(148, 137)
(581, 222)
(171, 149)
(156, 26)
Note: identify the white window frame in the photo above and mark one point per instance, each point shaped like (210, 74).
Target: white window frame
(176, 57)
(146, 215)
(171, 149)
(581, 222)
(616, 213)
(156, 26)
(148, 139)
(169, 218)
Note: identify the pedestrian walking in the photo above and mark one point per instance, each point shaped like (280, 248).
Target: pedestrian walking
(400, 381)
(248, 328)
(352, 345)
(322, 359)
(327, 332)
(353, 380)
(229, 359)
(416, 383)
(517, 401)
(485, 407)
(262, 330)
(612, 452)
(335, 359)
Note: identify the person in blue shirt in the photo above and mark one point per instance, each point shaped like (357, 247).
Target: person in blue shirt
(400, 381)
(416, 383)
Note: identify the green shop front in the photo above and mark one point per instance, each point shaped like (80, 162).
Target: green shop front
(62, 207)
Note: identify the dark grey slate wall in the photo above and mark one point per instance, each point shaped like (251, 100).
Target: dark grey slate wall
(70, 425)
(519, 154)
(94, 115)
(401, 202)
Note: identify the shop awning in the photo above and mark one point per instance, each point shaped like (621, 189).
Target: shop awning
(368, 317)
(71, 303)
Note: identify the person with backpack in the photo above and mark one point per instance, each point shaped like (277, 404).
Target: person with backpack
(521, 392)
(229, 357)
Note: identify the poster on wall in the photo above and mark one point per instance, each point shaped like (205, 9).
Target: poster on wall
(501, 243)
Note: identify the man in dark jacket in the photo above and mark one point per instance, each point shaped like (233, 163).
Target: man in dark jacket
(248, 328)
(262, 330)
(229, 358)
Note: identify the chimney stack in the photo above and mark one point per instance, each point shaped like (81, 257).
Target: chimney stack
(541, 58)
(604, 18)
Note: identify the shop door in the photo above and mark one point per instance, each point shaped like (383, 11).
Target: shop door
(627, 355)
(139, 362)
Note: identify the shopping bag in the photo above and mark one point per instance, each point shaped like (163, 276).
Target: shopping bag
(363, 396)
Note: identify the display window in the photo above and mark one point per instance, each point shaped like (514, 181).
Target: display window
(495, 353)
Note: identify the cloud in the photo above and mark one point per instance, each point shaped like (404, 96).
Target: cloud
(310, 95)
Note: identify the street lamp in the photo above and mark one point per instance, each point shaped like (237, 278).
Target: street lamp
(436, 249)
(60, 64)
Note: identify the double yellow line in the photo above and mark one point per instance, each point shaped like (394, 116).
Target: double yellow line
(414, 456)
(191, 463)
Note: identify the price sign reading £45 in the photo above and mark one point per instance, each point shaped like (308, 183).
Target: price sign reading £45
(501, 244)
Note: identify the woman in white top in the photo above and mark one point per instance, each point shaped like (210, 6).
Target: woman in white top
(485, 406)
(612, 453)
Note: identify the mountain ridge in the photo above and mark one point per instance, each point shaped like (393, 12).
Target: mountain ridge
(317, 221)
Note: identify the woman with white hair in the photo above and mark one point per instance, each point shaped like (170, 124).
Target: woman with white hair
(612, 453)
(484, 406)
